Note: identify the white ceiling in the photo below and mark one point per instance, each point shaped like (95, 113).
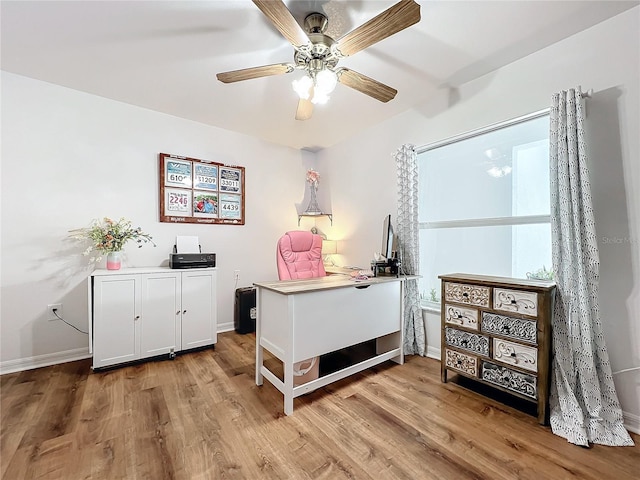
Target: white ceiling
(164, 55)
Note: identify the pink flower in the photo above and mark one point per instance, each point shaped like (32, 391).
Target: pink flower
(313, 177)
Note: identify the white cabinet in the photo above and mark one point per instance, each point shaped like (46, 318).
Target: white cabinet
(139, 313)
(159, 328)
(198, 316)
(117, 303)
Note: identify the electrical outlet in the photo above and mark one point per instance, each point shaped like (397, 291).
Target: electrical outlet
(52, 316)
(236, 274)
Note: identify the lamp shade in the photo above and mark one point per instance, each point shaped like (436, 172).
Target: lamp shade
(329, 247)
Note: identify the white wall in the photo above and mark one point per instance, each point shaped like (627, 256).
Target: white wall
(604, 58)
(70, 157)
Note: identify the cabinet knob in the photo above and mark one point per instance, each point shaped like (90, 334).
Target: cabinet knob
(184, 311)
(137, 317)
(178, 312)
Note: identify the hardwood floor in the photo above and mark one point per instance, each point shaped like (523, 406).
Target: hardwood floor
(201, 416)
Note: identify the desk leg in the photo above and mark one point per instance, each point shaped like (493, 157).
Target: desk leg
(395, 340)
(259, 351)
(258, 363)
(389, 342)
(288, 388)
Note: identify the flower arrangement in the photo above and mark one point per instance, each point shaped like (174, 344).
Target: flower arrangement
(313, 178)
(109, 236)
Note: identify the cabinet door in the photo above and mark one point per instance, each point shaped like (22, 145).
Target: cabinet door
(199, 325)
(160, 313)
(116, 315)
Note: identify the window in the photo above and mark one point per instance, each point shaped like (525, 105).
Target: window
(484, 203)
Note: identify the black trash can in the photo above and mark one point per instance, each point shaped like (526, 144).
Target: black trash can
(244, 315)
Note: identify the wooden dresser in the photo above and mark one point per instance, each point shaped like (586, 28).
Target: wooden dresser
(498, 331)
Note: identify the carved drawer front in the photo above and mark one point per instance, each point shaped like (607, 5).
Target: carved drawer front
(515, 354)
(469, 294)
(517, 328)
(525, 303)
(465, 317)
(510, 379)
(467, 341)
(460, 361)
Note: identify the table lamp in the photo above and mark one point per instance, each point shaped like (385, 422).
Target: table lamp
(329, 247)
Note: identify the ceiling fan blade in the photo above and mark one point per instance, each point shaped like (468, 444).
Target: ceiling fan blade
(254, 72)
(305, 109)
(394, 19)
(281, 17)
(366, 85)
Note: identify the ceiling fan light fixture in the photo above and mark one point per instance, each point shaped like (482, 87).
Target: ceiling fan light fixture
(326, 81)
(320, 98)
(302, 86)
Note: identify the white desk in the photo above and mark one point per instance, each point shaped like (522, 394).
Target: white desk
(301, 319)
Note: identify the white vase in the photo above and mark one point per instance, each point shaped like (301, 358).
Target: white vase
(114, 260)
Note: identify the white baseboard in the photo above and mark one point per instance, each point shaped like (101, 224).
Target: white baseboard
(29, 363)
(225, 327)
(631, 422)
(433, 352)
(45, 360)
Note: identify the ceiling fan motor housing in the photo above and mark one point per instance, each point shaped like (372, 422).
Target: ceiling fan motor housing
(317, 55)
(316, 23)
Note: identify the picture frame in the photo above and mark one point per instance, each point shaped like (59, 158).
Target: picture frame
(200, 191)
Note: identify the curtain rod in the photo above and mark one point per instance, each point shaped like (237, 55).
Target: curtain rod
(481, 131)
(490, 128)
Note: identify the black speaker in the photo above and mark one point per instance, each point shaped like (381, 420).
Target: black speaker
(244, 315)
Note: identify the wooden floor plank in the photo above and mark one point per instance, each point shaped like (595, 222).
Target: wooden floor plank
(500, 426)
(201, 416)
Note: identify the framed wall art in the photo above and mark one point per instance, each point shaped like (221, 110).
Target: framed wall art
(200, 191)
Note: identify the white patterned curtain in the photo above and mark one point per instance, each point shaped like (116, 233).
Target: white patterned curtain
(584, 403)
(408, 246)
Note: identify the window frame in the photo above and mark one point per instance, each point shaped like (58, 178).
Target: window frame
(479, 222)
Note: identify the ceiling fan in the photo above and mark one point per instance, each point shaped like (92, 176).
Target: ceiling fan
(318, 54)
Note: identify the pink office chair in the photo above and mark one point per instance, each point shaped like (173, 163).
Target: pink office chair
(299, 255)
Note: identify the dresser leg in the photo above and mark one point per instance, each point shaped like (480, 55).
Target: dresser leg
(543, 412)
(443, 374)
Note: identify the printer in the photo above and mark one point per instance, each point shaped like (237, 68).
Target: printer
(192, 260)
(187, 253)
